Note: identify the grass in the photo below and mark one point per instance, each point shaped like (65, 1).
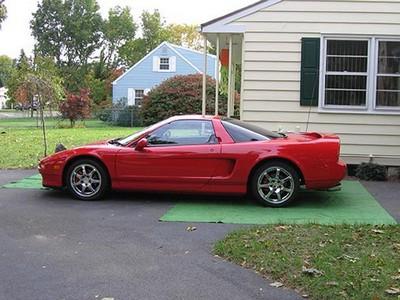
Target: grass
(21, 143)
(50, 123)
(358, 262)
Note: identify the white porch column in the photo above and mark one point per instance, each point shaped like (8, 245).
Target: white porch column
(242, 80)
(228, 109)
(203, 106)
(233, 89)
(217, 77)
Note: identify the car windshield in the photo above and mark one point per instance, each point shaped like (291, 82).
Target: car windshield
(245, 132)
(127, 140)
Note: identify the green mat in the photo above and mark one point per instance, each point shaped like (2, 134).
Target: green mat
(352, 205)
(31, 182)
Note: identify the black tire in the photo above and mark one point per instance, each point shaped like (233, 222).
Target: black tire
(99, 189)
(274, 185)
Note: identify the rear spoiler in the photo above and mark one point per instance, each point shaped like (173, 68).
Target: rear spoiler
(318, 135)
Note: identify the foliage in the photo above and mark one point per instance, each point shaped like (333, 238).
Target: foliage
(356, 261)
(185, 35)
(19, 142)
(97, 88)
(121, 115)
(180, 95)
(3, 12)
(6, 69)
(44, 69)
(371, 171)
(22, 67)
(76, 106)
(118, 29)
(42, 87)
(223, 87)
(68, 31)
(154, 33)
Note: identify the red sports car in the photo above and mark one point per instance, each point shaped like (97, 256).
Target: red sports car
(200, 154)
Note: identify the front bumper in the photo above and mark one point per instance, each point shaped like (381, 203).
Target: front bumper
(51, 175)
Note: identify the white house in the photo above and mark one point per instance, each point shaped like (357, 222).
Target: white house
(3, 97)
(327, 65)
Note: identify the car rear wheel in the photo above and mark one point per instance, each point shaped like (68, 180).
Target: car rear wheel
(275, 184)
(86, 179)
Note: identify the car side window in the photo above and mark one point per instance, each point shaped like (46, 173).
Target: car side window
(240, 134)
(183, 132)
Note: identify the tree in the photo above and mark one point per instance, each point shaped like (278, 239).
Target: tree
(23, 66)
(118, 29)
(76, 106)
(3, 12)
(185, 35)
(154, 32)
(47, 27)
(44, 89)
(6, 69)
(68, 30)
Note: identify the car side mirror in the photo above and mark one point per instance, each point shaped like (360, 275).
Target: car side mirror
(141, 144)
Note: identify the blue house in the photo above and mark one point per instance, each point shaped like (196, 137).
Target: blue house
(165, 61)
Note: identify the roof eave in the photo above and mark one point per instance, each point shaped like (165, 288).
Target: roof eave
(221, 24)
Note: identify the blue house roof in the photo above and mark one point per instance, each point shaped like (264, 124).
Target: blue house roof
(150, 71)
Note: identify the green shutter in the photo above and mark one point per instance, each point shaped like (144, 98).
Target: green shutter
(309, 80)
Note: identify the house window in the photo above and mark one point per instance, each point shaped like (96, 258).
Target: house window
(164, 63)
(361, 74)
(388, 74)
(346, 73)
(139, 97)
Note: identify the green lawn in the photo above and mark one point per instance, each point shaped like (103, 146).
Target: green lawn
(21, 144)
(50, 122)
(356, 262)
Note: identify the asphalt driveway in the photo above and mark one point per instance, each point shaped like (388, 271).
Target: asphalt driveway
(52, 247)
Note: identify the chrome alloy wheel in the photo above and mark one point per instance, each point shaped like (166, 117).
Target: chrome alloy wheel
(85, 180)
(275, 185)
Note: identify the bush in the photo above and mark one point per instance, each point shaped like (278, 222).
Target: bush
(179, 95)
(76, 107)
(371, 171)
(121, 115)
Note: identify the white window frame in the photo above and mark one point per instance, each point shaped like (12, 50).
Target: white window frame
(370, 107)
(136, 97)
(169, 64)
(375, 87)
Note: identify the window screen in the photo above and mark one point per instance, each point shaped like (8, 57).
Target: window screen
(139, 97)
(346, 72)
(164, 63)
(388, 76)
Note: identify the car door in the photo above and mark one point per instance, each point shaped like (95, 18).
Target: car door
(181, 156)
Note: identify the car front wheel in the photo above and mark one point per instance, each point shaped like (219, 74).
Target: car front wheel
(275, 184)
(87, 180)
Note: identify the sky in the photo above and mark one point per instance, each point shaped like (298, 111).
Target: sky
(15, 32)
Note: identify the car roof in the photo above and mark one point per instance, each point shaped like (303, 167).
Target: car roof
(194, 117)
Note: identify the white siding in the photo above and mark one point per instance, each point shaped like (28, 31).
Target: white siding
(272, 63)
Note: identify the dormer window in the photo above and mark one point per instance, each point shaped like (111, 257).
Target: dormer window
(164, 63)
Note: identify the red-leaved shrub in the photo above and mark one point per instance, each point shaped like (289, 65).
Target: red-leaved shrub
(76, 106)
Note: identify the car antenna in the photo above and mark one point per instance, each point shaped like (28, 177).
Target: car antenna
(309, 108)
